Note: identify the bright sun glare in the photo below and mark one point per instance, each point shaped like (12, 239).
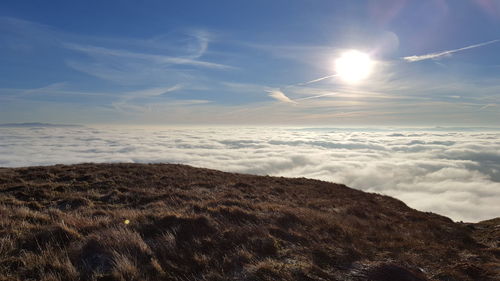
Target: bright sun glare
(353, 66)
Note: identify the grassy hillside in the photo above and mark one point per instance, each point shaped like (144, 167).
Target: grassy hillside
(175, 222)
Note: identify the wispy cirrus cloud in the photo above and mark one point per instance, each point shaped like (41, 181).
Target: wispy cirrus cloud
(446, 53)
(153, 58)
(131, 67)
(176, 56)
(121, 101)
(125, 99)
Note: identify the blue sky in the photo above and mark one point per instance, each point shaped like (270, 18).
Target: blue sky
(222, 62)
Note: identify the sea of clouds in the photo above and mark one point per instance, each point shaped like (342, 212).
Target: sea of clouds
(453, 173)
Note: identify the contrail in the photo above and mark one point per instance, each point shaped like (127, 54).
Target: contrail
(488, 105)
(315, 97)
(312, 81)
(281, 96)
(444, 53)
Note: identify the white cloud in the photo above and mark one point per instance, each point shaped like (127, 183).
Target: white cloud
(456, 174)
(446, 53)
(279, 95)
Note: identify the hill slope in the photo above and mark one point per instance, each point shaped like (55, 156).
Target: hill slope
(175, 222)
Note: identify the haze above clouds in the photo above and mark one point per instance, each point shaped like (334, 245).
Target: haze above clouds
(453, 173)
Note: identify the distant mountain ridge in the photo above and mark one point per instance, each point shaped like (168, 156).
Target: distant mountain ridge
(37, 124)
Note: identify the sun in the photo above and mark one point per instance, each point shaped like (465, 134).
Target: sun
(353, 66)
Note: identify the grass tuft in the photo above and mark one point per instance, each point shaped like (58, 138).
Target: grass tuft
(178, 223)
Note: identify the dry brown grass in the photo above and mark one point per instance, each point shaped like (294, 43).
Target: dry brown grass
(68, 223)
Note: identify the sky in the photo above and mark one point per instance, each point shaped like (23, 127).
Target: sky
(433, 62)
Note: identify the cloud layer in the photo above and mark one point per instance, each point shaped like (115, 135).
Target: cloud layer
(454, 173)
